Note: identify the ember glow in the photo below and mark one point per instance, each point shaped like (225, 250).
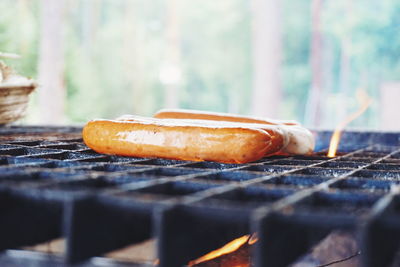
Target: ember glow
(227, 249)
(365, 101)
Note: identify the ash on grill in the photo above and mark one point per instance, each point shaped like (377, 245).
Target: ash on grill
(53, 189)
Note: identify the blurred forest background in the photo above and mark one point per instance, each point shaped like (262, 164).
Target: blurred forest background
(302, 59)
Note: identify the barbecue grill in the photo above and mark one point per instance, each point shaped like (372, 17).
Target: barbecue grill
(52, 186)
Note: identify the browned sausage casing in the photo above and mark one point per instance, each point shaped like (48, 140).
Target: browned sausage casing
(216, 116)
(184, 141)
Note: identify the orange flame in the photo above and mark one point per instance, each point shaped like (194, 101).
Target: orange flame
(253, 239)
(365, 101)
(226, 249)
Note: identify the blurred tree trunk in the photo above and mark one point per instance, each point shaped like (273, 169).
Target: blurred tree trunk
(51, 62)
(131, 58)
(171, 71)
(23, 11)
(345, 68)
(267, 57)
(314, 109)
(90, 21)
(345, 45)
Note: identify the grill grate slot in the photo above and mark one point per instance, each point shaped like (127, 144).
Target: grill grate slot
(212, 165)
(298, 162)
(232, 176)
(387, 167)
(343, 164)
(247, 198)
(160, 162)
(117, 168)
(170, 190)
(335, 172)
(345, 203)
(365, 160)
(389, 175)
(355, 183)
(270, 168)
(80, 185)
(296, 180)
(168, 172)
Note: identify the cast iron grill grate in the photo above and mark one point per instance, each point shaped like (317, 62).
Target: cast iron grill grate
(99, 203)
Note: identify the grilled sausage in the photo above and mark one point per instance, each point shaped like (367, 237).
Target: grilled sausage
(299, 140)
(279, 137)
(183, 140)
(216, 116)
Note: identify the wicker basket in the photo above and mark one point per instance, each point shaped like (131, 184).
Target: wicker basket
(14, 94)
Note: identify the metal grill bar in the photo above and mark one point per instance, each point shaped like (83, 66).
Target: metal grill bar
(57, 187)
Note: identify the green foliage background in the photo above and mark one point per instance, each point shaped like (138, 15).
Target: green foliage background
(108, 74)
